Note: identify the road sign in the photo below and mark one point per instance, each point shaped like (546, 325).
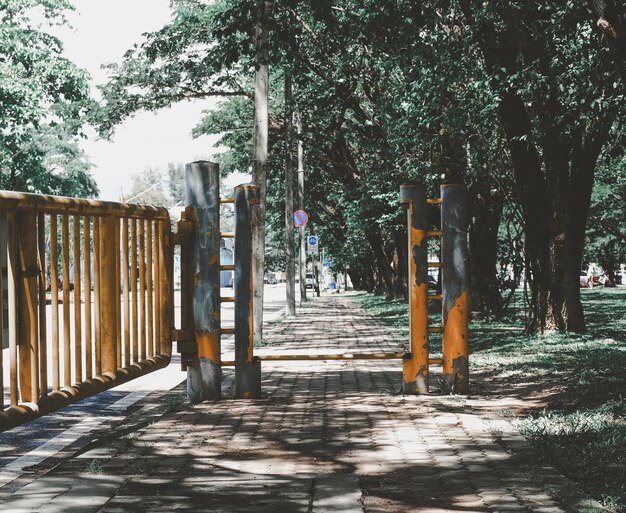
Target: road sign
(312, 245)
(300, 218)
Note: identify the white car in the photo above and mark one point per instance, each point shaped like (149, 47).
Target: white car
(309, 280)
(584, 279)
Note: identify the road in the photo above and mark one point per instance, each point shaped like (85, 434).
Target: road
(45, 439)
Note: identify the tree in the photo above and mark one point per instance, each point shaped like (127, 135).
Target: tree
(43, 100)
(149, 189)
(513, 100)
(176, 183)
(542, 64)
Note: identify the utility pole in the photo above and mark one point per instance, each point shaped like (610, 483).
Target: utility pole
(290, 261)
(302, 265)
(259, 168)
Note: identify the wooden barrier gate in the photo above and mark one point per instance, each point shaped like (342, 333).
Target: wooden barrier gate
(111, 271)
(86, 305)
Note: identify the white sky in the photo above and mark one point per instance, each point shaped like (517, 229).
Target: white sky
(102, 30)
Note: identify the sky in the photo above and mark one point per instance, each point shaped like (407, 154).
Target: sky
(101, 31)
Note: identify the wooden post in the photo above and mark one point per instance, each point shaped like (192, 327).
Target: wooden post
(415, 368)
(166, 288)
(28, 290)
(108, 301)
(247, 368)
(455, 304)
(202, 192)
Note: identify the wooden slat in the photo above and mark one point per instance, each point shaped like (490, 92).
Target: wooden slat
(125, 286)
(96, 296)
(87, 266)
(118, 292)
(28, 291)
(157, 290)
(133, 284)
(142, 287)
(67, 334)
(54, 291)
(149, 291)
(43, 336)
(78, 336)
(12, 271)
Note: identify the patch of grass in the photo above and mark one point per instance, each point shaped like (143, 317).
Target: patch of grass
(582, 430)
(122, 444)
(172, 403)
(94, 467)
(589, 446)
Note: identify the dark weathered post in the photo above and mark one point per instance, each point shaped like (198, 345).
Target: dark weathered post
(415, 367)
(247, 368)
(204, 377)
(455, 297)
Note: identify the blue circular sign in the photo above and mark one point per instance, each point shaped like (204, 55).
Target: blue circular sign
(300, 218)
(313, 240)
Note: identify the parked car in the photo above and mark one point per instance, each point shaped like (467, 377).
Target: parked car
(584, 279)
(309, 280)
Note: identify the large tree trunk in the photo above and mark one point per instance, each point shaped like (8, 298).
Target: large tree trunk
(259, 169)
(555, 205)
(485, 214)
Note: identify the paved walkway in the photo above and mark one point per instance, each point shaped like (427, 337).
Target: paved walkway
(326, 437)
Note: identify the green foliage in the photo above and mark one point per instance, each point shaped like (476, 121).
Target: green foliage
(43, 97)
(606, 231)
(196, 55)
(388, 93)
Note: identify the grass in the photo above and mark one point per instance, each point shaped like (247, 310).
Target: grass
(577, 420)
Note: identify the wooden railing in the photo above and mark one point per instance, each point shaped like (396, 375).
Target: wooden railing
(87, 299)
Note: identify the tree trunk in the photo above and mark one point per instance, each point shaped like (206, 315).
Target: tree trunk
(400, 268)
(383, 264)
(485, 213)
(555, 205)
(289, 260)
(259, 169)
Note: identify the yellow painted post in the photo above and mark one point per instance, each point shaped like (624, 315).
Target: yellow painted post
(455, 302)
(415, 365)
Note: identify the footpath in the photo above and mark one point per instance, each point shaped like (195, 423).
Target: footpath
(333, 436)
